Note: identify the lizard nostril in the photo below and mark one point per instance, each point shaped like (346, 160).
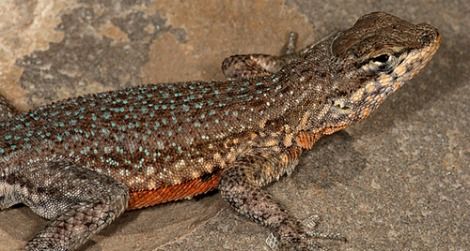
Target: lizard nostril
(429, 37)
(426, 39)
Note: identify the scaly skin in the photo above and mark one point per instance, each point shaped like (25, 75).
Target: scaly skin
(82, 162)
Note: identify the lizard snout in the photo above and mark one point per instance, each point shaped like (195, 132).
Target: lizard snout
(429, 35)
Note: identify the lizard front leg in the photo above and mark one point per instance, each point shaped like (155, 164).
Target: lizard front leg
(77, 201)
(256, 65)
(241, 186)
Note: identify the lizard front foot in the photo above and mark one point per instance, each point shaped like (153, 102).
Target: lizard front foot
(300, 237)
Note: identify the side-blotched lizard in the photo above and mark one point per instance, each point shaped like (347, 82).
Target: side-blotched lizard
(82, 162)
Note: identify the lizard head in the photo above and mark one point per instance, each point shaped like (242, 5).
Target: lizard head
(374, 58)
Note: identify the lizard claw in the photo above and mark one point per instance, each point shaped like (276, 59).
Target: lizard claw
(327, 236)
(311, 222)
(272, 242)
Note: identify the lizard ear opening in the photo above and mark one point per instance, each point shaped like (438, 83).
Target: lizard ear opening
(341, 105)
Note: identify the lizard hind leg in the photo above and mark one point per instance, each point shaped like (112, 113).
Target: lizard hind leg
(77, 201)
(241, 186)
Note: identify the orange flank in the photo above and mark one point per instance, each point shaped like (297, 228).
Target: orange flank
(146, 198)
(307, 139)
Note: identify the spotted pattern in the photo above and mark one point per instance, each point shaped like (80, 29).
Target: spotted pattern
(154, 135)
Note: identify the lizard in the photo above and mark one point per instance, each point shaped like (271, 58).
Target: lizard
(81, 162)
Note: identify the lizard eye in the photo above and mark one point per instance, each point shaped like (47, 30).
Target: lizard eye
(381, 59)
(382, 63)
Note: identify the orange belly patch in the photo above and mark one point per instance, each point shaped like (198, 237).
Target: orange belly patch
(140, 199)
